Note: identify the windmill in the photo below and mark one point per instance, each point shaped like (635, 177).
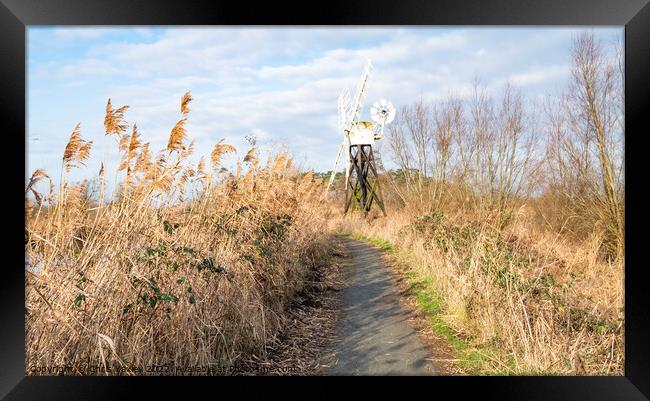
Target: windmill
(361, 179)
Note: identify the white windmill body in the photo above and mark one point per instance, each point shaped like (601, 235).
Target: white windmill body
(360, 136)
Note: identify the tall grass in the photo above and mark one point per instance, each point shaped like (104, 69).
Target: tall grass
(531, 302)
(186, 265)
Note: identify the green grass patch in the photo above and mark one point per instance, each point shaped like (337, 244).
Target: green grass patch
(380, 243)
(474, 360)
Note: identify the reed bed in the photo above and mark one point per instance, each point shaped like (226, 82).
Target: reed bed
(184, 265)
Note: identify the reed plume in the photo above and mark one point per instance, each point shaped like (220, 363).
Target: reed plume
(251, 157)
(37, 176)
(143, 159)
(76, 151)
(279, 164)
(219, 150)
(129, 144)
(114, 120)
(187, 98)
(177, 136)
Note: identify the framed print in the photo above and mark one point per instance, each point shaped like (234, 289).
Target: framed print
(448, 190)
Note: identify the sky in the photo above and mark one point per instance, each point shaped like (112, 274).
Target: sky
(280, 84)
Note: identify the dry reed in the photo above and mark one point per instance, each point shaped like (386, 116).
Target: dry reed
(147, 279)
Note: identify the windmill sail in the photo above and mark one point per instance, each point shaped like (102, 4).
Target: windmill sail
(349, 112)
(344, 107)
(336, 164)
(357, 105)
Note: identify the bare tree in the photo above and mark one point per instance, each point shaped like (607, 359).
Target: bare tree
(448, 124)
(516, 137)
(409, 138)
(586, 134)
(400, 151)
(417, 121)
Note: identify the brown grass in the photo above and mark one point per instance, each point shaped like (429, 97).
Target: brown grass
(148, 278)
(544, 304)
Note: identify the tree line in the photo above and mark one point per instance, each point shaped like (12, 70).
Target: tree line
(493, 151)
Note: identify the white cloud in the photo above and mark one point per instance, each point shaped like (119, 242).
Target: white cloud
(280, 84)
(539, 75)
(89, 67)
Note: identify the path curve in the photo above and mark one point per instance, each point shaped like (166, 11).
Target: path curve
(375, 337)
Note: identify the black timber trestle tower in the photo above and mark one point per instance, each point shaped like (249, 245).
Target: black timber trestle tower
(362, 187)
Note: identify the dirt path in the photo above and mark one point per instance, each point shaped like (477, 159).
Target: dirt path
(375, 337)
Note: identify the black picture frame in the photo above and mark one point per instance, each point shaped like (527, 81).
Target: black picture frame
(17, 15)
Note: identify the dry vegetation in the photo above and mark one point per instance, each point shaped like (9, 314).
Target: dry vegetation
(187, 265)
(513, 212)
